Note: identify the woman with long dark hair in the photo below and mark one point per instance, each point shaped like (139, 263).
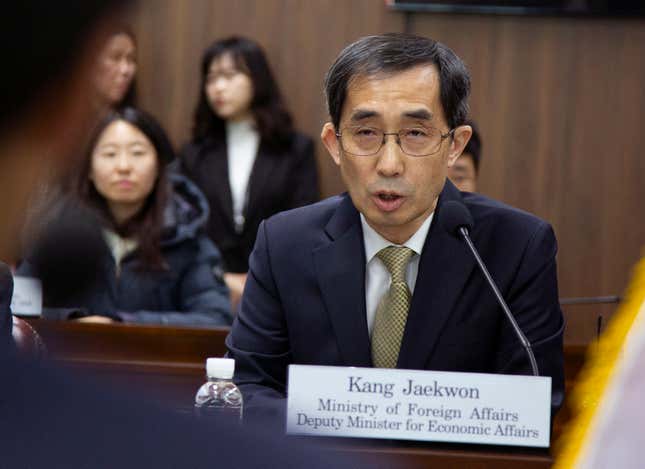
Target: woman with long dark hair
(244, 153)
(156, 265)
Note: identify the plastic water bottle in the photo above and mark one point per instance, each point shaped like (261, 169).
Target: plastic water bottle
(219, 397)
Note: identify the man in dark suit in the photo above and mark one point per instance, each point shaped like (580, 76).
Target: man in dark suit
(372, 278)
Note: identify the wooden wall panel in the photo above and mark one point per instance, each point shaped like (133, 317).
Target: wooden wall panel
(559, 101)
(561, 112)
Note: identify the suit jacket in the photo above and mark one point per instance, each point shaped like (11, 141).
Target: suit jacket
(304, 300)
(280, 180)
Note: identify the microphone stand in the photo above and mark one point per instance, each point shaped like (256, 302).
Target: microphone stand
(525, 343)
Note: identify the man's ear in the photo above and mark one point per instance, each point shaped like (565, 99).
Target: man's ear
(458, 142)
(329, 139)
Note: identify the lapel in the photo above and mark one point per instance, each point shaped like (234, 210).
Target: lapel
(444, 267)
(340, 268)
(264, 165)
(215, 177)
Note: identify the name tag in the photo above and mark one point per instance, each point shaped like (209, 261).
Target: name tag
(419, 405)
(27, 299)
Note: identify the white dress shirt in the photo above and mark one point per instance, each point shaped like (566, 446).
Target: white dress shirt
(242, 143)
(377, 277)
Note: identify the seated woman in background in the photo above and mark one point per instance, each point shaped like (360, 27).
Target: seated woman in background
(155, 266)
(115, 72)
(244, 154)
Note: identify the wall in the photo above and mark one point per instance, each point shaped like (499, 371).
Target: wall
(559, 102)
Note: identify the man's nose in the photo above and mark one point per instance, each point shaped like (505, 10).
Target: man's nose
(390, 159)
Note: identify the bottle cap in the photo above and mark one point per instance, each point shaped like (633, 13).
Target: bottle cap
(220, 368)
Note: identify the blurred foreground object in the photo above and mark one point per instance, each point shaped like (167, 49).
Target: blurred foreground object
(6, 291)
(48, 105)
(65, 254)
(27, 340)
(606, 430)
(51, 419)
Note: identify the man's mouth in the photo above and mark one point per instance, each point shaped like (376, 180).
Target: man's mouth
(388, 201)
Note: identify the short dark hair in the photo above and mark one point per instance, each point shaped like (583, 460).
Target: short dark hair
(41, 40)
(272, 118)
(474, 145)
(147, 225)
(396, 52)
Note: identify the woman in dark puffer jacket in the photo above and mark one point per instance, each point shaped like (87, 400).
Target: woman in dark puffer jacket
(153, 265)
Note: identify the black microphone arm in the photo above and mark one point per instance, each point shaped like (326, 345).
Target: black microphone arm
(463, 231)
(457, 220)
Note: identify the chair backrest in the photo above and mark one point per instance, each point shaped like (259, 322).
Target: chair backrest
(27, 340)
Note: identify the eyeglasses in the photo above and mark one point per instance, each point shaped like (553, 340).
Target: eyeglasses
(415, 141)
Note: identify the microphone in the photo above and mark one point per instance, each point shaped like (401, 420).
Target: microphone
(456, 220)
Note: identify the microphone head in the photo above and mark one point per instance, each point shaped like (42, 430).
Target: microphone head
(454, 215)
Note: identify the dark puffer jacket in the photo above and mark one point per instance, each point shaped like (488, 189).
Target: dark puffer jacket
(187, 293)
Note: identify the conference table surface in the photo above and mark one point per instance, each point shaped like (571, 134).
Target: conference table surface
(167, 363)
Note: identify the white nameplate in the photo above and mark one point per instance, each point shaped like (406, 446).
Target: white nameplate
(27, 299)
(419, 405)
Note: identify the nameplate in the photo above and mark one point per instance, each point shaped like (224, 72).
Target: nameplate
(419, 405)
(27, 299)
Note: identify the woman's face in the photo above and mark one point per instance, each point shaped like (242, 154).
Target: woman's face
(124, 166)
(116, 68)
(229, 90)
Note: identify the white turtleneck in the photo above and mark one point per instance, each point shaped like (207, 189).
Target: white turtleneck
(242, 142)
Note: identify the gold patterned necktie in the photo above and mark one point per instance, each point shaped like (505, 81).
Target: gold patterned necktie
(392, 311)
